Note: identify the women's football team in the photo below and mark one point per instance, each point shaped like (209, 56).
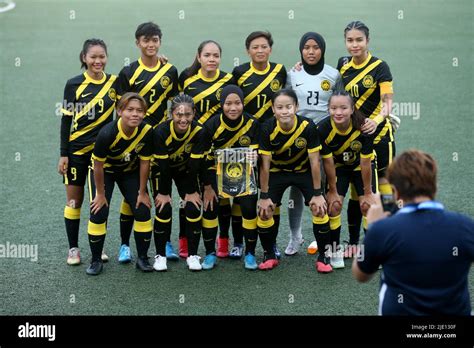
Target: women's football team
(317, 130)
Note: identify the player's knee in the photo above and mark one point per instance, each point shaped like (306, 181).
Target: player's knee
(165, 212)
(336, 209)
(142, 213)
(210, 214)
(191, 211)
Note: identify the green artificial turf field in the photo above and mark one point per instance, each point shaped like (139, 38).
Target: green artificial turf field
(427, 44)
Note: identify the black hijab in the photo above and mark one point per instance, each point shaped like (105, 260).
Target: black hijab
(318, 67)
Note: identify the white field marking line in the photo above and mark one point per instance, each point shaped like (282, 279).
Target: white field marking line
(10, 5)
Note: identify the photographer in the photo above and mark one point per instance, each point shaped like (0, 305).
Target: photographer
(425, 251)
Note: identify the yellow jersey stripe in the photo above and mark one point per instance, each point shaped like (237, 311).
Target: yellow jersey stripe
(302, 164)
(212, 89)
(84, 150)
(186, 142)
(206, 116)
(244, 77)
(190, 80)
(155, 79)
(263, 109)
(292, 139)
(347, 143)
(236, 137)
(362, 74)
(136, 74)
(314, 149)
(331, 136)
(67, 112)
(134, 143)
(292, 160)
(159, 101)
(263, 84)
(96, 99)
(364, 97)
(91, 126)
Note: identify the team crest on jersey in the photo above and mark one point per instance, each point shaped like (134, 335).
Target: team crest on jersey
(112, 94)
(218, 93)
(244, 140)
(325, 85)
(139, 147)
(165, 81)
(368, 81)
(234, 170)
(356, 146)
(188, 148)
(275, 85)
(300, 143)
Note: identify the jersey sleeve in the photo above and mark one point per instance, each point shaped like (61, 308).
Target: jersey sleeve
(101, 146)
(284, 75)
(146, 152)
(367, 150)
(313, 138)
(341, 62)
(264, 147)
(384, 78)
(196, 161)
(255, 135)
(236, 74)
(123, 85)
(323, 134)
(182, 77)
(175, 79)
(67, 112)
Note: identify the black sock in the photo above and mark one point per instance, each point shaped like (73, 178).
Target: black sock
(276, 227)
(160, 235)
(354, 218)
(209, 238)
(237, 232)
(224, 220)
(142, 240)
(72, 221)
(96, 244)
(72, 230)
(250, 240)
(322, 234)
(182, 223)
(266, 234)
(126, 227)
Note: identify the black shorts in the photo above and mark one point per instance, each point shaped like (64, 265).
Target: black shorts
(280, 181)
(180, 178)
(345, 176)
(77, 170)
(385, 151)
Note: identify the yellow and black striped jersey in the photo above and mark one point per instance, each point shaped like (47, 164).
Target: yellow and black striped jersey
(347, 148)
(259, 87)
(119, 152)
(289, 149)
(224, 134)
(90, 104)
(206, 92)
(157, 85)
(366, 82)
(178, 148)
(178, 154)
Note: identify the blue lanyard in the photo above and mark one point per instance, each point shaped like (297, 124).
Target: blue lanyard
(428, 205)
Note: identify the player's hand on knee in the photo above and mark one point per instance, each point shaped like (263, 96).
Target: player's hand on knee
(266, 207)
(143, 198)
(161, 201)
(63, 165)
(209, 197)
(98, 202)
(193, 198)
(318, 206)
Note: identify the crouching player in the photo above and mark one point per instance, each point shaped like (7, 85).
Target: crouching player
(178, 149)
(347, 155)
(122, 154)
(289, 150)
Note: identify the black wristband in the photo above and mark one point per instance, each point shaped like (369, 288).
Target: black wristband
(318, 192)
(264, 195)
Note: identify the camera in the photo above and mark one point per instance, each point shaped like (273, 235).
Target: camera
(389, 204)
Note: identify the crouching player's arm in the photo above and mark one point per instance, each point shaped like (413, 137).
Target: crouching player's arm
(318, 203)
(265, 204)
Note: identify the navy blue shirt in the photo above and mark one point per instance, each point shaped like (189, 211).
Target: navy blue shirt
(426, 255)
